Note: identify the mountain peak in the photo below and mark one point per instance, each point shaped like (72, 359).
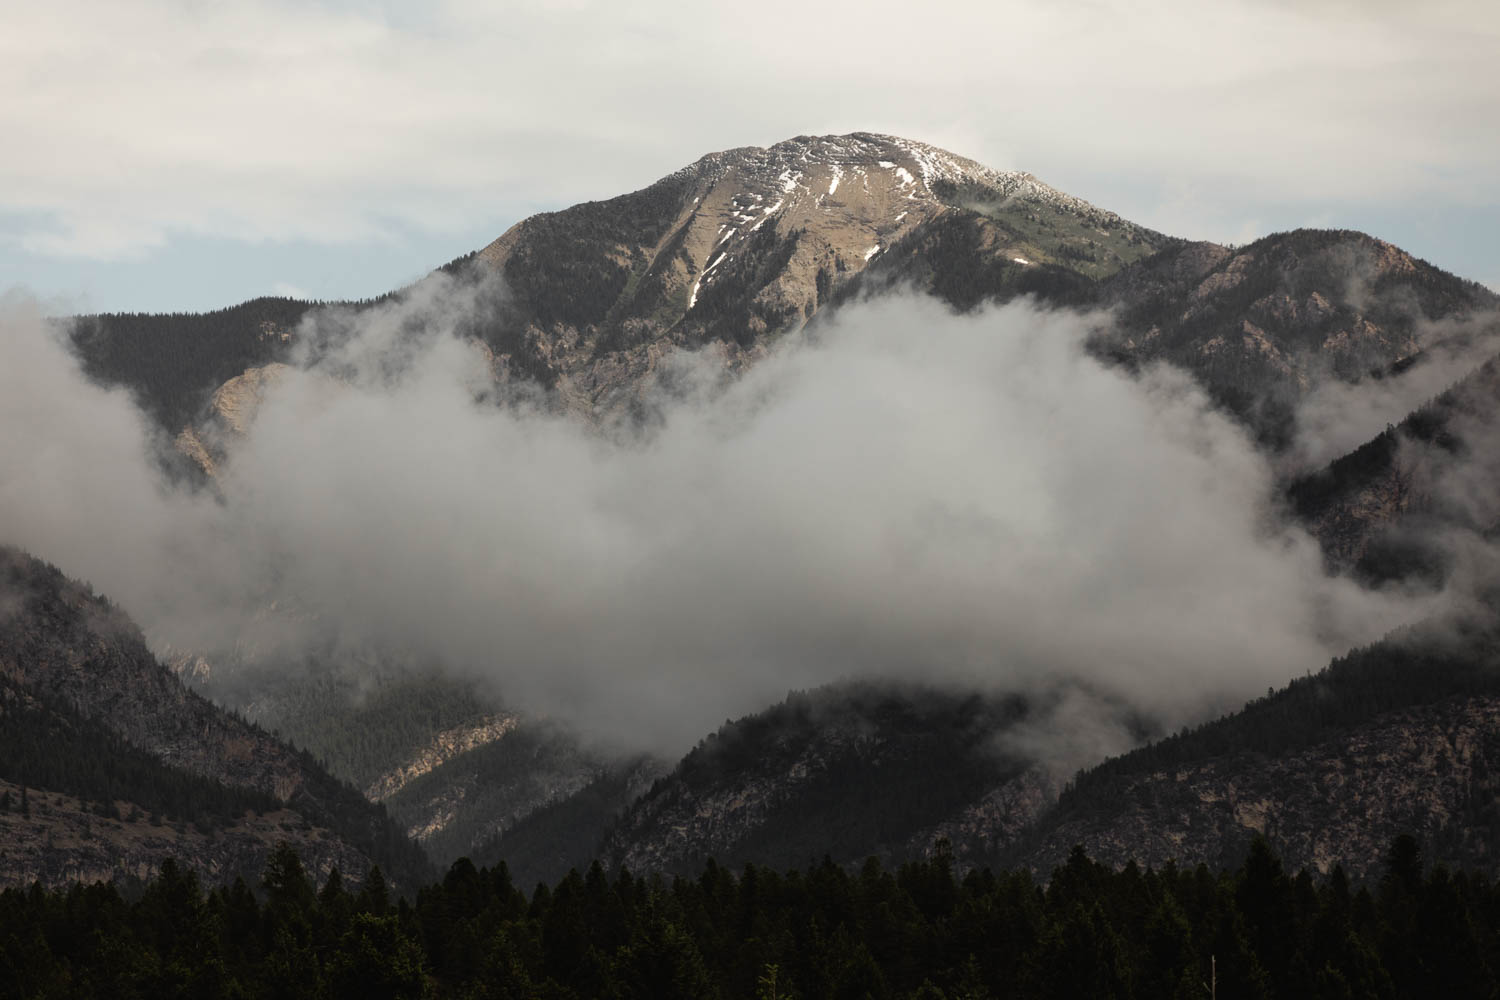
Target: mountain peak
(822, 163)
(748, 242)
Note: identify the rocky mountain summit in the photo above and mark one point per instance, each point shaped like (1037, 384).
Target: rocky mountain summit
(749, 243)
(743, 246)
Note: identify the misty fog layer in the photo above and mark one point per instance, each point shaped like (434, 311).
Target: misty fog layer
(1336, 416)
(912, 494)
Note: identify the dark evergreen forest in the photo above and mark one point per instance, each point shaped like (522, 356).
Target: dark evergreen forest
(173, 363)
(921, 930)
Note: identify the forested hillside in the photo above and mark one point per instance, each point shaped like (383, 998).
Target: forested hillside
(173, 363)
(1401, 736)
(77, 678)
(849, 770)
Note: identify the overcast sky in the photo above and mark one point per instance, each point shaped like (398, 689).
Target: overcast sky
(180, 154)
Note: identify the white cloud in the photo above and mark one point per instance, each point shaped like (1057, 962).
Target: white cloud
(268, 120)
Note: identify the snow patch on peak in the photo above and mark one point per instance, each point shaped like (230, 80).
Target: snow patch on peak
(918, 166)
(872, 251)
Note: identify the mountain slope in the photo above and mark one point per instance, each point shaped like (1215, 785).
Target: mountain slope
(1262, 324)
(747, 243)
(849, 771)
(1400, 737)
(74, 664)
(450, 764)
(1396, 507)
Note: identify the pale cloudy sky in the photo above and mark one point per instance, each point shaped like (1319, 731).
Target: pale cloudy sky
(184, 154)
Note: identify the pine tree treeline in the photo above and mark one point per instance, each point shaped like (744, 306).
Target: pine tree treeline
(174, 362)
(916, 931)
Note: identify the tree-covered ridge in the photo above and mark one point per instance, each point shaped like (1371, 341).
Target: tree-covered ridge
(360, 737)
(921, 930)
(48, 745)
(849, 770)
(173, 363)
(1402, 735)
(1420, 665)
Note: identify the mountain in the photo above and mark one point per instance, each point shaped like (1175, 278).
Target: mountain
(743, 248)
(91, 714)
(748, 243)
(732, 250)
(1263, 324)
(745, 245)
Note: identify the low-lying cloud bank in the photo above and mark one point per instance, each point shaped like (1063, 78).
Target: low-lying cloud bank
(913, 494)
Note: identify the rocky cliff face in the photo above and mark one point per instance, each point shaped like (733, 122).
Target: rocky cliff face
(231, 410)
(441, 749)
(476, 795)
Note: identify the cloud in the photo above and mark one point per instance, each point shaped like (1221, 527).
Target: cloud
(961, 500)
(265, 120)
(1338, 416)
